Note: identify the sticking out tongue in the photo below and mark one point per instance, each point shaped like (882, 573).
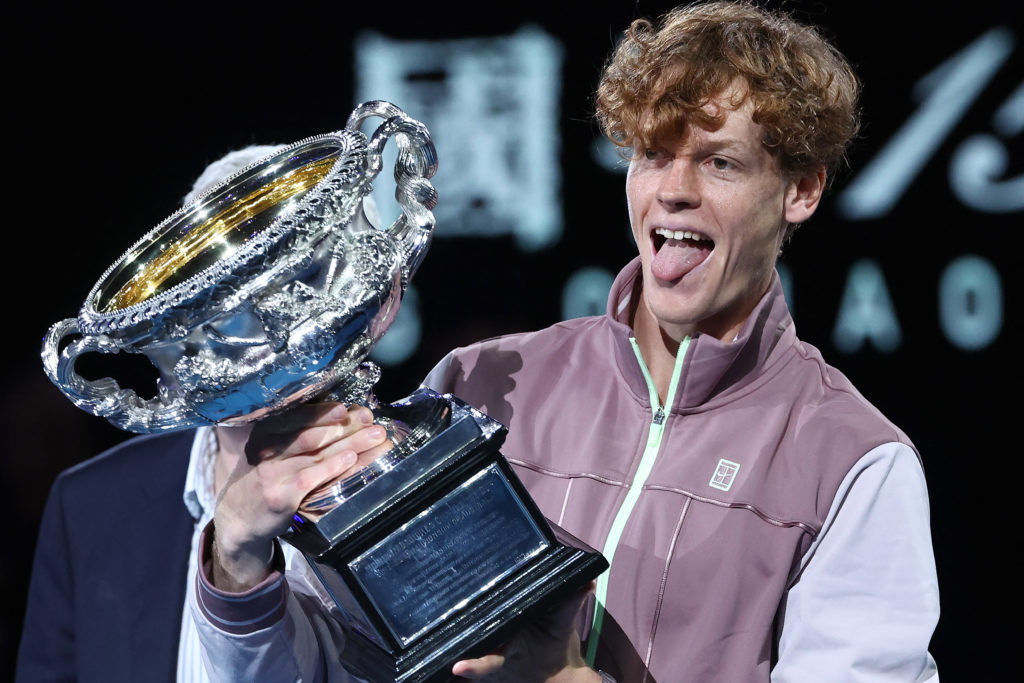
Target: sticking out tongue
(675, 258)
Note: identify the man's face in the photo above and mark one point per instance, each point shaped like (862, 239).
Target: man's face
(709, 211)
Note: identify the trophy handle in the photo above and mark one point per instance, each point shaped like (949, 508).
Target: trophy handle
(417, 162)
(104, 397)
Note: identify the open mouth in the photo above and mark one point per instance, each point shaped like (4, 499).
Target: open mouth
(677, 252)
(693, 239)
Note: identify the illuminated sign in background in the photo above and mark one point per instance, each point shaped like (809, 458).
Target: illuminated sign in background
(491, 104)
(908, 278)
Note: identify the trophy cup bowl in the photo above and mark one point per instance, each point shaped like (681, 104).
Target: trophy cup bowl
(269, 290)
(265, 291)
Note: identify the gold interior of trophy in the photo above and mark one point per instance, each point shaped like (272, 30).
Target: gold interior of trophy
(181, 251)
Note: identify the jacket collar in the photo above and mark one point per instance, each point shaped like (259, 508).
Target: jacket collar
(712, 368)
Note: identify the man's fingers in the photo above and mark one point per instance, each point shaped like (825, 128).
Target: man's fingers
(311, 440)
(365, 441)
(303, 415)
(478, 668)
(306, 415)
(286, 483)
(321, 431)
(323, 469)
(350, 453)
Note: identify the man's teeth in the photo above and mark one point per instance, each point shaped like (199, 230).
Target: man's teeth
(681, 235)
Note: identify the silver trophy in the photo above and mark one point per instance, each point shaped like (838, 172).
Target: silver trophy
(265, 291)
(269, 290)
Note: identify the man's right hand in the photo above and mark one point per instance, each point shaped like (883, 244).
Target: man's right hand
(546, 650)
(287, 457)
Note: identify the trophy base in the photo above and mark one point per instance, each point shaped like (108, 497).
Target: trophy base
(443, 557)
(483, 627)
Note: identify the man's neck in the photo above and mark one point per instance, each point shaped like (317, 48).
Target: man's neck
(658, 348)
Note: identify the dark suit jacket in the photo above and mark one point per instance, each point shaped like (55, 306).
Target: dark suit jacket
(108, 581)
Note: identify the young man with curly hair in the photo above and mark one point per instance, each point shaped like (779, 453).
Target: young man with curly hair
(763, 521)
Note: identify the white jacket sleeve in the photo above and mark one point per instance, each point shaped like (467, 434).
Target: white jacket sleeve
(866, 601)
(282, 630)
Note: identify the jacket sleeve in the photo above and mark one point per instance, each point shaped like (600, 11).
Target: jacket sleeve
(866, 601)
(440, 377)
(280, 630)
(47, 649)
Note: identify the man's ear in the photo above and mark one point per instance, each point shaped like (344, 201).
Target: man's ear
(803, 195)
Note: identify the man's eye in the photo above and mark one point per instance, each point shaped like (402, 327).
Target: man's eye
(651, 153)
(721, 164)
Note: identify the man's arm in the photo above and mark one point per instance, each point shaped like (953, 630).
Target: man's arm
(255, 620)
(286, 458)
(280, 629)
(866, 601)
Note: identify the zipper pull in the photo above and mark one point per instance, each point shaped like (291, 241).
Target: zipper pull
(659, 416)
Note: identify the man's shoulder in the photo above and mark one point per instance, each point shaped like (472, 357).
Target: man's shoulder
(587, 330)
(150, 455)
(517, 368)
(833, 408)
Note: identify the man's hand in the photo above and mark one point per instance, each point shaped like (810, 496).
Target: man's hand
(547, 651)
(286, 457)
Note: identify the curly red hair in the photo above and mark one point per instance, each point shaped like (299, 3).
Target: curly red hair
(660, 78)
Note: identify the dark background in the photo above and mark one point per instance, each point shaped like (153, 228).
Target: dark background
(117, 109)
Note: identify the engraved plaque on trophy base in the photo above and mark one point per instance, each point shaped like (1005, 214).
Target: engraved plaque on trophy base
(443, 558)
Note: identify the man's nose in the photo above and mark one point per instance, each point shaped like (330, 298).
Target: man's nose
(679, 187)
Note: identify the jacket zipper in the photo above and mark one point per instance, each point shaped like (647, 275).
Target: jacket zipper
(647, 460)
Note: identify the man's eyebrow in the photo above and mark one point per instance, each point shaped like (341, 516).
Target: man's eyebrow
(713, 144)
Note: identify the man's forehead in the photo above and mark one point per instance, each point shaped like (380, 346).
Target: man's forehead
(729, 123)
(674, 124)
(735, 96)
